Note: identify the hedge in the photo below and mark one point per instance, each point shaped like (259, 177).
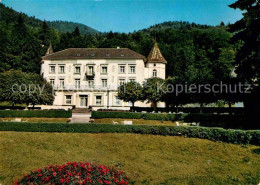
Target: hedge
(235, 110)
(214, 134)
(35, 113)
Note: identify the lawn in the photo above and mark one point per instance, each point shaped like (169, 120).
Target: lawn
(135, 121)
(37, 120)
(146, 159)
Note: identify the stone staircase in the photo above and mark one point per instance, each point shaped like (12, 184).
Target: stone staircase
(81, 110)
(80, 117)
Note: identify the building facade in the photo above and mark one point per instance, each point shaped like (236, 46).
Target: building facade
(89, 77)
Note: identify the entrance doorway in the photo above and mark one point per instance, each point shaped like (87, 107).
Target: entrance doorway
(83, 100)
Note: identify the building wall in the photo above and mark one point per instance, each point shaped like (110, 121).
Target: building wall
(113, 77)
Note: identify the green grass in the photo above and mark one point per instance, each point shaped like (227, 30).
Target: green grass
(146, 159)
(9, 104)
(135, 121)
(37, 120)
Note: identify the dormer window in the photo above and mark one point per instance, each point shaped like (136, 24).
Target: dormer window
(107, 54)
(92, 54)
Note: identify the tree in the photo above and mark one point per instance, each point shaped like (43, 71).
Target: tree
(19, 87)
(247, 33)
(222, 23)
(76, 32)
(153, 91)
(175, 94)
(45, 34)
(11, 88)
(130, 92)
(39, 92)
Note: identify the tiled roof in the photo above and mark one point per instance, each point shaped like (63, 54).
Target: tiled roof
(95, 53)
(155, 55)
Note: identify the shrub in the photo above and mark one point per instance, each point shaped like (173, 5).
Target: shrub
(35, 113)
(214, 134)
(74, 173)
(214, 120)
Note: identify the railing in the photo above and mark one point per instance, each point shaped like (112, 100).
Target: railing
(90, 75)
(86, 87)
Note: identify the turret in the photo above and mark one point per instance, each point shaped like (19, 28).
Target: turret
(49, 50)
(156, 63)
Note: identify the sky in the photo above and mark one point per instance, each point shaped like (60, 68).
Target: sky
(128, 15)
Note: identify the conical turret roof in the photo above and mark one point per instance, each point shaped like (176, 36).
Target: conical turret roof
(49, 50)
(155, 55)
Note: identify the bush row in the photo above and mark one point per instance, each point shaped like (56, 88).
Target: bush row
(214, 134)
(35, 113)
(235, 110)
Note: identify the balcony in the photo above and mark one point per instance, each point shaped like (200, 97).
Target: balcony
(85, 88)
(90, 75)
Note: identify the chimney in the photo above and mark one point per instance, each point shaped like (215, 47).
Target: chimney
(117, 47)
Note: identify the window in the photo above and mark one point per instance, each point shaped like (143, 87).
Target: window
(121, 81)
(68, 99)
(77, 83)
(62, 69)
(52, 69)
(117, 101)
(52, 82)
(91, 83)
(77, 69)
(132, 80)
(121, 69)
(98, 100)
(154, 73)
(90, 70)
(61, 83)
(132, 69)
(104, 69)
(104, 82)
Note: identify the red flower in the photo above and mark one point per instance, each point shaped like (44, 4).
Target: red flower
(75, 173)
(106, 182)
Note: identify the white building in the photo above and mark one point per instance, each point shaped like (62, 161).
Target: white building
(89, 77)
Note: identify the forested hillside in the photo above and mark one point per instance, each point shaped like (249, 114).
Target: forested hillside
(175, 25)
(9, 15)
(193, 52)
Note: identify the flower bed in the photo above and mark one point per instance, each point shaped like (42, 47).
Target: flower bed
(75, 173)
